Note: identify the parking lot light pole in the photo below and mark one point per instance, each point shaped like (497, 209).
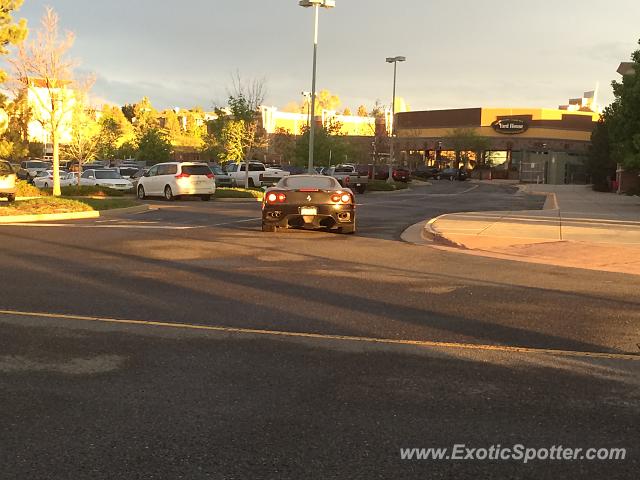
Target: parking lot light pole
(395, 61)
(316, 4)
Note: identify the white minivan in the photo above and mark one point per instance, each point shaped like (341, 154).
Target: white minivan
(174, 179)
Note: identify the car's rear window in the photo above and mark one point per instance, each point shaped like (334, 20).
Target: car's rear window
(196, 170)
(36, 165)
(310, 181)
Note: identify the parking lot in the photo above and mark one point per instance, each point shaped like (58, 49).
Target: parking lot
(220, 351)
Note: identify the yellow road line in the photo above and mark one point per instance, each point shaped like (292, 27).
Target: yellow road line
(348, 338)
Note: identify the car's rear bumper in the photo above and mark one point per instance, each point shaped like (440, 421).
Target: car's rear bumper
(195, 190)
(7, 191)
(328, 216)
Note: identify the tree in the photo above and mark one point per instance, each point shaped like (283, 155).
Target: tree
(623, 118)
(284, 143)
(84, 137)
(330, 146)
(43, 68)
(144, 116)
(600, 164)
(239, 129)
(114, 132)
(463, 140)
(153, 146)
(347, 112)
(11, 33)
(362, 111)
(14, 142)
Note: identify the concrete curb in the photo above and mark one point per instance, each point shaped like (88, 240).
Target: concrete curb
(73, 215)
(430, 232)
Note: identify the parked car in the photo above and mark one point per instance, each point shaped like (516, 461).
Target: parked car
(7, 181)
(452, 174)
(259, 175)
(399, 174)
(425, 171)
(347, 175)
(297, 170)
(310, 202)
(136, 176)
(104, 178)
(221, 177)
(30, 168)
(173, 180)
(45, 179)
(127, 171)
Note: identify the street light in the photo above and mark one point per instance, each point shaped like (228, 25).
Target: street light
(316, 4)
(395, 61)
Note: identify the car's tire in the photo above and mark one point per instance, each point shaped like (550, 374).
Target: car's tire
(452, 178)
(11, 197)
(46, 185)
(267, 227)
(205, 198)
(251, 184)
(437, 177)
(361, 189)
(141, 194)
(168, 194)
(348, 229)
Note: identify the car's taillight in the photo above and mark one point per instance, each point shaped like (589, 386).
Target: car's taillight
(183, 175)
(210, 175)
(276, 197)
(341, 198)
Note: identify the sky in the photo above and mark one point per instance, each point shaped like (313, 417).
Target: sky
(460, 53)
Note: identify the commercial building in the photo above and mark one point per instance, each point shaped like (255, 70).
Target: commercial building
(533, 145)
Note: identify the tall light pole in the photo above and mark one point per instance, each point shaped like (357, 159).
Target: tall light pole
(395, 61)
(316, 4)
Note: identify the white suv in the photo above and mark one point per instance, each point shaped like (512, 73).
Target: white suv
(175, 179)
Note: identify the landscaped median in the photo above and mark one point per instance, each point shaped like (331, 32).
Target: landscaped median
(56, 208)
(224, 193)
(384, 186)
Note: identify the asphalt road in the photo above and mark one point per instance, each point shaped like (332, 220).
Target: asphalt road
(318, 376)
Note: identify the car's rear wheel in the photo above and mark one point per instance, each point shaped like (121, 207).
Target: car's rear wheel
(267, 227)
(11, 197)
(46, 185)
(168, 193)
(361, 189)
(452, 178)
(141, 194)
(251, 184)
(205, 198)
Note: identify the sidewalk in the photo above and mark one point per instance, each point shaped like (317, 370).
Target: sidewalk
(577, 228)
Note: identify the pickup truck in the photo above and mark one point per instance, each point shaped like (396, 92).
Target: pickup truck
(348, 177)
(259, 175)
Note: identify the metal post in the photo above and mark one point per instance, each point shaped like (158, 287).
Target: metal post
(312, 129)
(393, 125)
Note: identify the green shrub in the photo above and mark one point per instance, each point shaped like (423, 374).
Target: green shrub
(223, 192)
(90, 191)
(24, 189)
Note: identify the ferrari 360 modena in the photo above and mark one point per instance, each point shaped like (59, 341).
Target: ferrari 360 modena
(309, 202)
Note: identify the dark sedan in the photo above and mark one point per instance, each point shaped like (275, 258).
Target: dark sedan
(452, 174)
(310, 202)
(424, 171)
